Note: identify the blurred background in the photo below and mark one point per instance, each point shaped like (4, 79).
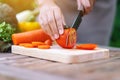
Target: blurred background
(115, 38)
(20, 5)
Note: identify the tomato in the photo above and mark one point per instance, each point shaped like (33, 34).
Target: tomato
(67, 39)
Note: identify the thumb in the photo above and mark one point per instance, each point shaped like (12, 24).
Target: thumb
(80, 6)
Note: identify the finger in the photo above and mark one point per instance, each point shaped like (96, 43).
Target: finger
(40, 21)
(52, 23)
(87, 10)
(58, 19)
(87, 6)
(86, 3)
(46, 26)
(80, 6)
(63, 20)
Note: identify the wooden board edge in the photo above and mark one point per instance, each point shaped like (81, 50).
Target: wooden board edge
(64, 58)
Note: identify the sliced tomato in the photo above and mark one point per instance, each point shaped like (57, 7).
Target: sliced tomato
(67, 39)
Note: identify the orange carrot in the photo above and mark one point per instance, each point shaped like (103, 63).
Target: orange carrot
(27, 45)
(88, 46)
(36, 44)
(44, 46)
(30, 36)
(48, 42)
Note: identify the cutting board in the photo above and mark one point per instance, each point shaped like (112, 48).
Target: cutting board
(59, 54)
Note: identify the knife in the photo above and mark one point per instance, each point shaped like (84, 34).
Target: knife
(76, 23)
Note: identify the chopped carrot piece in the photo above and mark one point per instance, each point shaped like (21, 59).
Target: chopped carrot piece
(44, 46)
(35, 44)
(48, 42)
(88, 46)
(30, 36)
(28, 45)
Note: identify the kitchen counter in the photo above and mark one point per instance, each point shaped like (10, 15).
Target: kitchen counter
(28, 68)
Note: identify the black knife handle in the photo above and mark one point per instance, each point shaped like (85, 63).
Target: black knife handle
(78, 20)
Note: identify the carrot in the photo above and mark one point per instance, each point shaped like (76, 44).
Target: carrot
(27, 45)
(44, 46)
(48, 42)
(88, 46)
(30, 36)
(36, 44)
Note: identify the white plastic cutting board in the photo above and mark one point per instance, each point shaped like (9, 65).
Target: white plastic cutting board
(62, 55)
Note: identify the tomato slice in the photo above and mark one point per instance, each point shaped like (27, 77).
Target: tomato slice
(67, 39)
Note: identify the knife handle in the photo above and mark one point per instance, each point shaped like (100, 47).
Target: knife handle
(78, 20)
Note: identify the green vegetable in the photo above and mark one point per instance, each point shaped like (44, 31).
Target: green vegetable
(6, 31)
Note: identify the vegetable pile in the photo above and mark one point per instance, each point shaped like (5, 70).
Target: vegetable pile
(30, 36)
(32, 39)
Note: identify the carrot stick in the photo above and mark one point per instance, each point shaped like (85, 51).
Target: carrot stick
(36, 44)
(44, 46)
(30, 36)
(88, 46)
(27, 45)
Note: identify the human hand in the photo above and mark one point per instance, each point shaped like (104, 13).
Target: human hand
(86, 5)
(51, 19)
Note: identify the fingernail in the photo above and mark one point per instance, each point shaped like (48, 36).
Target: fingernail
(60, 31)
(56, 36)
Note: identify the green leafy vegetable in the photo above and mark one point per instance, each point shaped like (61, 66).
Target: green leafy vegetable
(6, 31)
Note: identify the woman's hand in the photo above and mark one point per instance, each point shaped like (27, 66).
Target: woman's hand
(51, 19)
(86, 5)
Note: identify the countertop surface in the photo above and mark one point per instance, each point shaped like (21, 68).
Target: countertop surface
(19, 67)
